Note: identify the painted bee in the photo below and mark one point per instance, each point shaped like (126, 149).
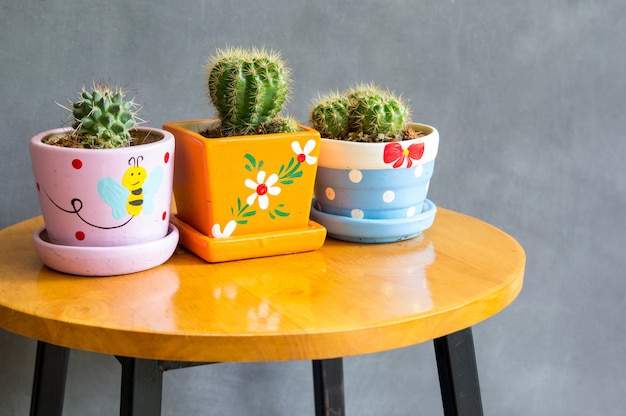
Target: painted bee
(134, 195)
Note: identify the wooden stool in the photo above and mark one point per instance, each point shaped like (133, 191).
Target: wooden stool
(342, 300)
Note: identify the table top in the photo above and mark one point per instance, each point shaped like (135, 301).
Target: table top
(343, 299)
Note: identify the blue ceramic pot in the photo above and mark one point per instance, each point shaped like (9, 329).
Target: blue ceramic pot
(360, 183)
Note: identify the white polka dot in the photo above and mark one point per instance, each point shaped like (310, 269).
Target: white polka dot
(330, 193)
(410, 212)
(355, 176)
(419, 170)
(389, 196)
(357, 213)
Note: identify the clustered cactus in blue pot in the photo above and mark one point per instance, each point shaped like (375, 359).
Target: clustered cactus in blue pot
(375, 166)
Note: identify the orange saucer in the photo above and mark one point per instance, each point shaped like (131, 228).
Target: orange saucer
(214, 250)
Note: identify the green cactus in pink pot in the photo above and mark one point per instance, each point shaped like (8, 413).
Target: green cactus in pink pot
(103, 118)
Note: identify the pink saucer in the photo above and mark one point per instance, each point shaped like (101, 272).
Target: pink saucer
(105, 261)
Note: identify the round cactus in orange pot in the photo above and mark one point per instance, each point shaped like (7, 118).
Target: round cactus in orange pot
(243, 181)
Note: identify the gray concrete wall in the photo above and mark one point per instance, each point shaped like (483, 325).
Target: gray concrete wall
(529, 101)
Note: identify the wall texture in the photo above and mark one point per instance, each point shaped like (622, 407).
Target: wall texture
(529, 99)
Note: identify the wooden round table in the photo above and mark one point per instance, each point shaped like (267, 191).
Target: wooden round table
(341, 300)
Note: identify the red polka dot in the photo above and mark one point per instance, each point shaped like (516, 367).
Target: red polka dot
(77, 164)
(167, 157)
(80, 236)
(164, 216)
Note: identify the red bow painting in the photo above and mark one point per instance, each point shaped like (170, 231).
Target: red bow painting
(395, 153)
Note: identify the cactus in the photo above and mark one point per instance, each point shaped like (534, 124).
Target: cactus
(281, 125)
(102, 118)
(330, 115)
(374, 111)
(362, 113)
(248, 88)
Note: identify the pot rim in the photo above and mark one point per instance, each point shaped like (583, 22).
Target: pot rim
(194, 127)
(341, 154)
(37, 141)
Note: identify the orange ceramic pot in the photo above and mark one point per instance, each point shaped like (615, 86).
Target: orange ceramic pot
(235, 195)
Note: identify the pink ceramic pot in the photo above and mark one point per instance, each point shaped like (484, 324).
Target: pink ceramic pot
(104, 197)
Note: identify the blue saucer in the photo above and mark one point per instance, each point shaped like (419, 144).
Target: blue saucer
(375, 231)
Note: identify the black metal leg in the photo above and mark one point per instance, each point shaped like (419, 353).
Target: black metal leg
(458, 375)
(142, 387)
(49, 380)
(328, 387)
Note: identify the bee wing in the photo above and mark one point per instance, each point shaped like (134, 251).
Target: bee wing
(115, 195)
(150, 188)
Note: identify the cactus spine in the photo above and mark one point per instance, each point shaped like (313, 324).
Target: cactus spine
(102, 118)
(248, 88)
(362, 113)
